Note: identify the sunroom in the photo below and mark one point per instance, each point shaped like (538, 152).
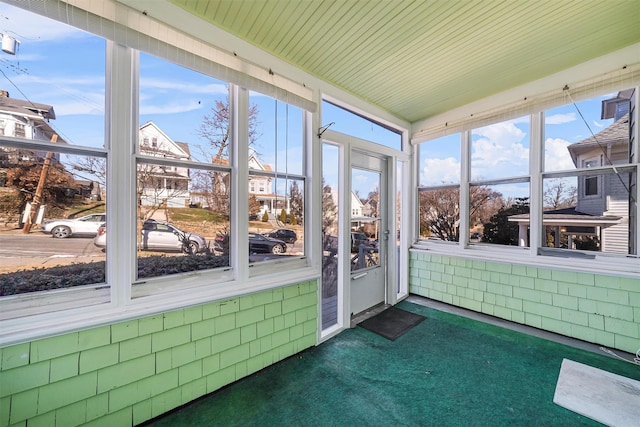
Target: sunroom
(414, 150)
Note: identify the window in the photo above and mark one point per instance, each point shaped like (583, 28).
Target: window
(183, 177)
(590, 176)
(439, 191)
(19, 130)
(54, 178)
(276, 164)
(584, 184)
(354, 124)
(590, 183)
(499, 190)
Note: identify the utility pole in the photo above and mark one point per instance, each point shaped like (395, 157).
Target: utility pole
(35, 203)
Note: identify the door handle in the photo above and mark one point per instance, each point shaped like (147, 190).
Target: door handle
(359, 276)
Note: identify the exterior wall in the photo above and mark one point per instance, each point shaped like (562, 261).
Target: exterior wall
(597, 308)
(125, 373)
(616, 238)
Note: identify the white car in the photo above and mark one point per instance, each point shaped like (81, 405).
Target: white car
(84, 226)
(162, 237)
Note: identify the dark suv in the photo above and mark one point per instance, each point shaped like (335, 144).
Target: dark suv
(358, 239)
(286, 235)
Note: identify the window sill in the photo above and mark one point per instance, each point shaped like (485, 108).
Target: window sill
(22, 329)
(566, 260)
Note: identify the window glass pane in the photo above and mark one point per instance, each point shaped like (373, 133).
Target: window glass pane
(597, 223)
(52, 201)
(440, 214)
(183, 211)
(276, 182)
(500, 150)
(276, 218)
(500, 214)
(48, 229)
(440, 161)
(365, 218)
(330, 247)
(275, 135)
(352, 124)
(175, 234)
(187, 108)
(579, 135)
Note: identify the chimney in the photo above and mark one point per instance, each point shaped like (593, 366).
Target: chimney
(4, 93)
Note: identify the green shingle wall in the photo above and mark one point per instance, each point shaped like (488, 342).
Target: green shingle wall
(603, 309)
(126, 373)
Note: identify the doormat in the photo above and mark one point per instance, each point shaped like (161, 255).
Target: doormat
(392, 323)
(608, 398)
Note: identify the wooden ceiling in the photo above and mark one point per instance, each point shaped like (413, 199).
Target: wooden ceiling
(417, 59)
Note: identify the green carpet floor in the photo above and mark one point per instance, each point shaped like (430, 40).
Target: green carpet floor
(446, 371)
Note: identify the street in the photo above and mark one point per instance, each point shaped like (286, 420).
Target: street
(20, 251)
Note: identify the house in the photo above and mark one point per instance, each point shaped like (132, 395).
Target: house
(166, 186)
(128, 349)
(23, 119)
(601, 214)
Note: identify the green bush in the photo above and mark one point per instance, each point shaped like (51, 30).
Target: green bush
(265, 217)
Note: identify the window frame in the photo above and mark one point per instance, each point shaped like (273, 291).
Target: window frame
(536, 253)
(115, 301)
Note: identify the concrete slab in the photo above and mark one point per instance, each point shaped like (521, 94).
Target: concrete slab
(608, 398)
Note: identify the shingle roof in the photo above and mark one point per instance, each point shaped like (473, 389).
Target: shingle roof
(22, 107)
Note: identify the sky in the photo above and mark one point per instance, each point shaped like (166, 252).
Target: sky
(501, 150)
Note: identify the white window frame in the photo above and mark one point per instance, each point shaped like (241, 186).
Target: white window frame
(536, 254)
(70, 310)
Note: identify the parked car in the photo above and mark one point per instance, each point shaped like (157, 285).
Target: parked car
(263, 244)
(162, 237)
(84, 226)
(358, 239)
(258, 243)
(284, 234)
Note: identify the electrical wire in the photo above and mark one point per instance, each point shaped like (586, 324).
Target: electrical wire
(635, 361)
(602, 148)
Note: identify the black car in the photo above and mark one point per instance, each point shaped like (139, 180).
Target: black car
(257, 244)
(284, 234)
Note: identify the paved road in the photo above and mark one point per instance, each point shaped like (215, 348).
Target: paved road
(36, 248)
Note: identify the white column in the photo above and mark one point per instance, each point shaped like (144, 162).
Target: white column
(522, 234)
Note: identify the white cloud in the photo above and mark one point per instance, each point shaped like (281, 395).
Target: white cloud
(558, 119)
(500, 152)
(598, 124)
(26, 26)
(556, 155)
(440, 171)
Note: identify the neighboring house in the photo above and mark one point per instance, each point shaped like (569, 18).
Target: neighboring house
(30, 120)
(602, 208)
(27, 120)
(166, 186)
(259, 186)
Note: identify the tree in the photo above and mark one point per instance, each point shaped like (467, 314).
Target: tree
(254, 206)
(282, 217)
(213, 185)
(499, 229)
(296, 207)
(329, 210)
(59, 186)
(440, 210)
(559, 195)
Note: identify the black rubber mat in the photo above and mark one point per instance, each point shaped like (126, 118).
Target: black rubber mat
(392, 322)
